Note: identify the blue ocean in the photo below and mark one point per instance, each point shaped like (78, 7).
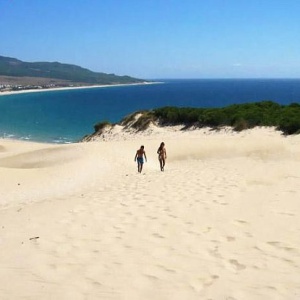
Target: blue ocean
(66, 116)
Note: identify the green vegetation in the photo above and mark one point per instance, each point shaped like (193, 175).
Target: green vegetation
(289, 122)
(101, 125)
(14, 67)
(238, 116)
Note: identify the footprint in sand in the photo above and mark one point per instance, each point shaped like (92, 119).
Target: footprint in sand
(173, 216)
(165, 269)
(215, 252)
(287, 214)
(220, 203)
(151, 217)
(237, 266)
(240, 222)
(203, 282)
(281, 246)
(207, 230)
(157, 235)
(248, 234)
(151, 277)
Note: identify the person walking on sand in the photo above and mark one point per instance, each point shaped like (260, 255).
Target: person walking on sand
(162, 155)
(139, 157)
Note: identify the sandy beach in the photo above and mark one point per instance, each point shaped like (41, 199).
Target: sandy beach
(222, 222)
(70, 88)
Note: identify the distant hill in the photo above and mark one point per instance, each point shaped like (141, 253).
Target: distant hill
(55, 70)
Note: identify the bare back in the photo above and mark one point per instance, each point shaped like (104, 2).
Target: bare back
(140, 152)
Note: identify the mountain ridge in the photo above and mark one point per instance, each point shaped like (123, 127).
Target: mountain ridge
(14, 67)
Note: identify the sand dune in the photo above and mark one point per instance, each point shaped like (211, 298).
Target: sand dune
(39, 158)
(222, 222)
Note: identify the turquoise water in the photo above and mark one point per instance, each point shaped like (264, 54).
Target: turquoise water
(66, 116)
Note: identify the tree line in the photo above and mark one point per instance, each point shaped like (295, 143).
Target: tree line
(285, 118)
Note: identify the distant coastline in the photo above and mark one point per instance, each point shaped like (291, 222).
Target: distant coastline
(54, 89)
(67, 116)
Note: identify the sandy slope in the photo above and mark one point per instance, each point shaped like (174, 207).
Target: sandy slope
(222, 221)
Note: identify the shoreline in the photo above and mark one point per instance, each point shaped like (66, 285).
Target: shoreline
(74, 88)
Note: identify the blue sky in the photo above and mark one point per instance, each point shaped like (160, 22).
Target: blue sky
(158, 39)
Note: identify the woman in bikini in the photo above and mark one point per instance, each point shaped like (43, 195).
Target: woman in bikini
(162, 155)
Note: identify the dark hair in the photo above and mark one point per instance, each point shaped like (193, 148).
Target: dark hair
(161, 145)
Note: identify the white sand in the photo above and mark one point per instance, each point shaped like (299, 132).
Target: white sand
(222, 221)
(6, 93)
